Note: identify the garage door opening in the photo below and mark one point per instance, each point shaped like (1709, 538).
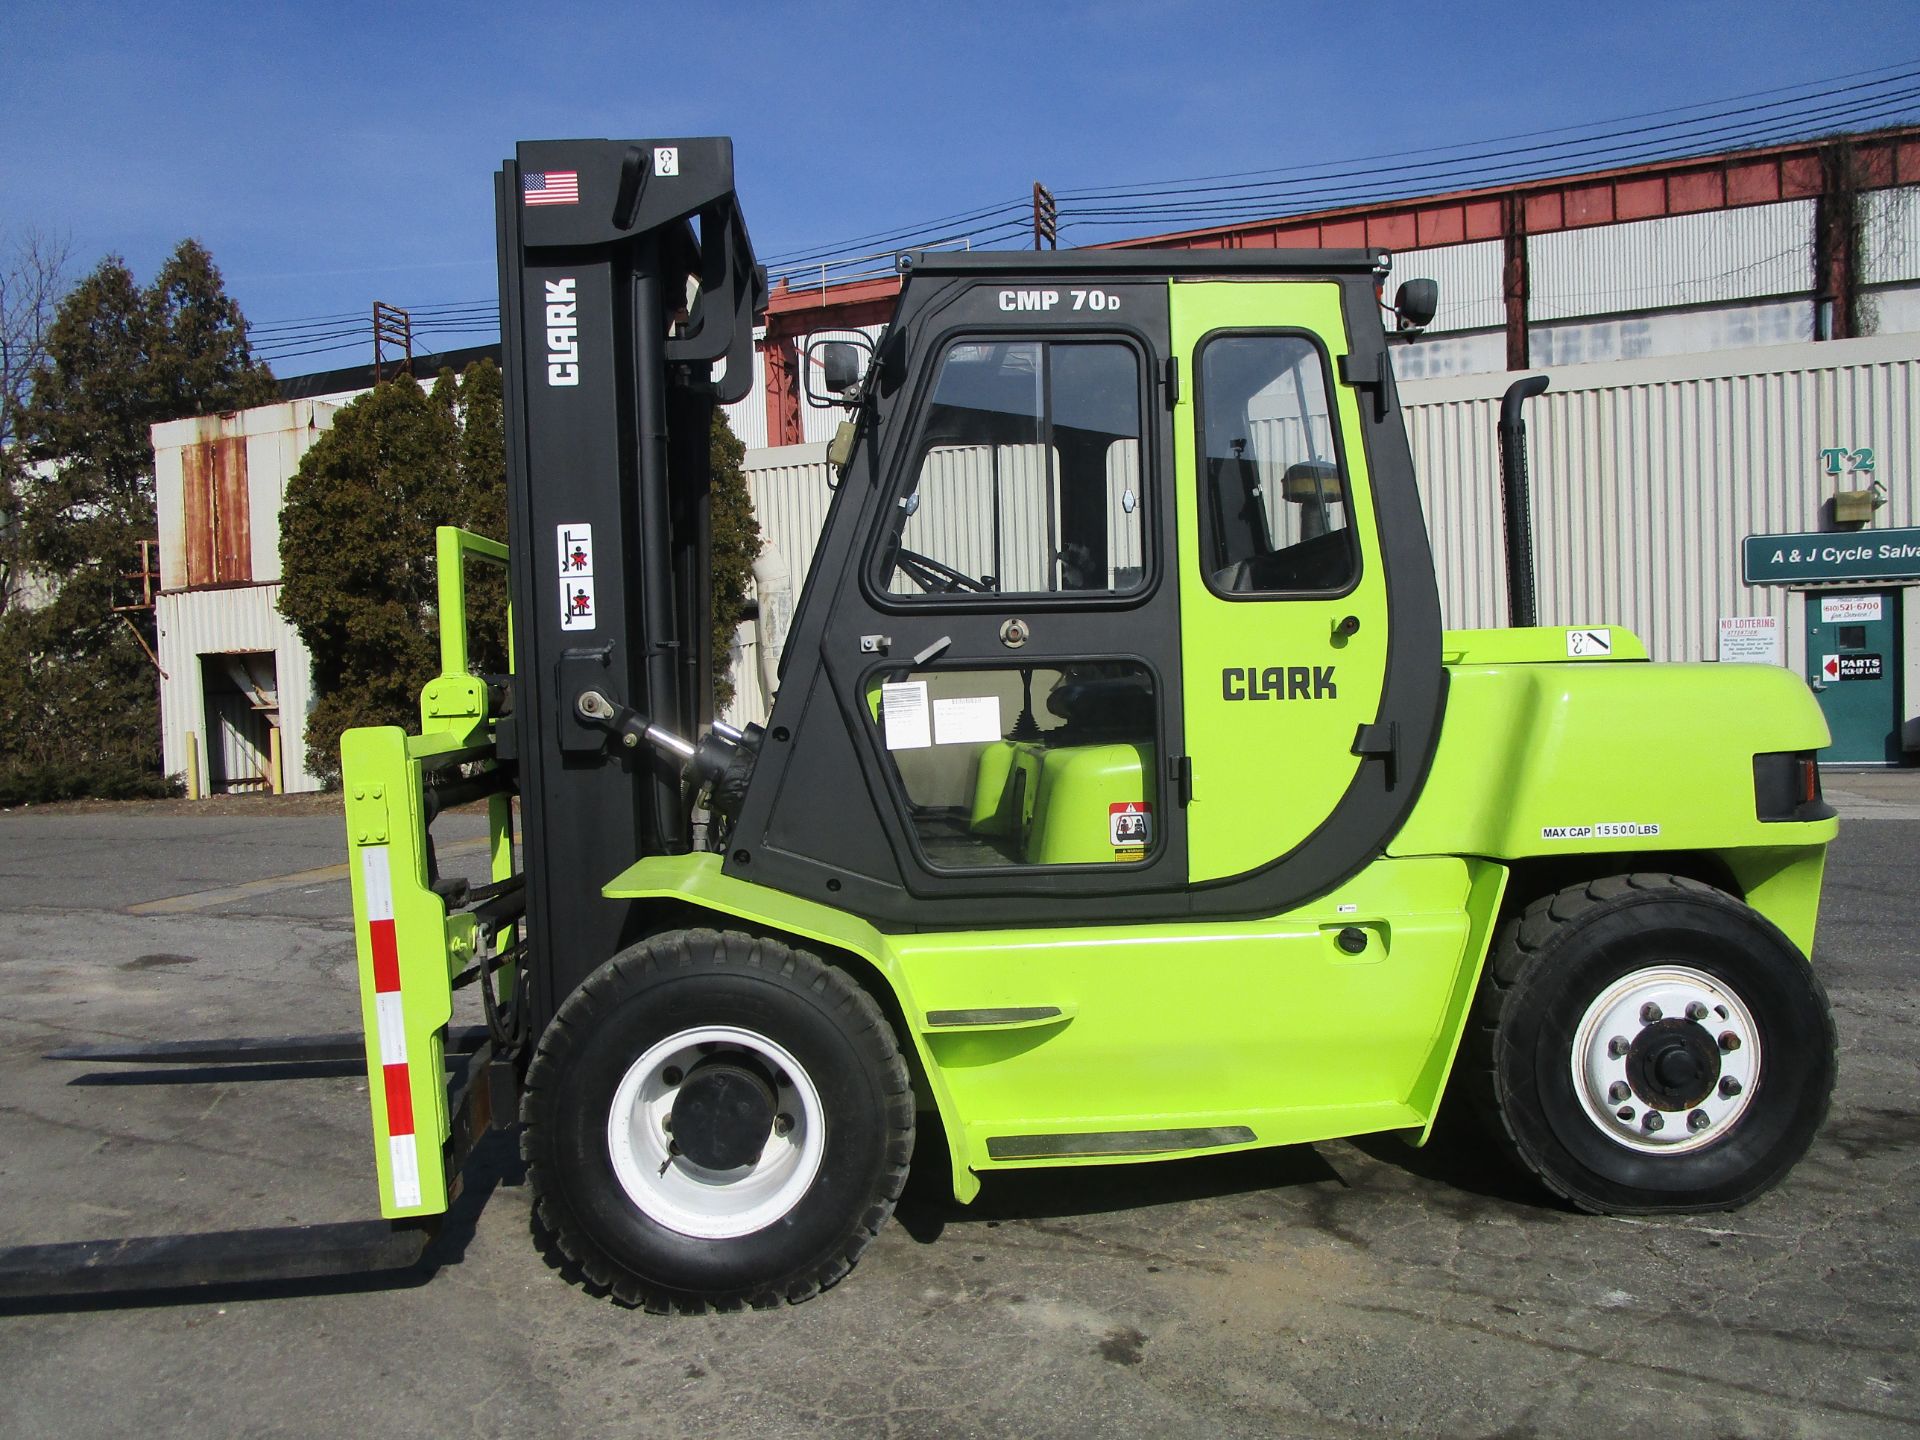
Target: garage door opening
(242, 696)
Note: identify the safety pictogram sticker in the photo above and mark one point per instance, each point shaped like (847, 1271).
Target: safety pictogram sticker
(1130, 828)
(577, 608)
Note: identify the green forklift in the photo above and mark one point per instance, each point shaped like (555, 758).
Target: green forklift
(1123, 798)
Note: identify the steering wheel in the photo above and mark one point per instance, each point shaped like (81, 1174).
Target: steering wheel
(936, 576)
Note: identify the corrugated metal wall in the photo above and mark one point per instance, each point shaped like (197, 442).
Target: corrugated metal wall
(1469, 277)
(1647, 474)
(195, 623)
(1707, 259)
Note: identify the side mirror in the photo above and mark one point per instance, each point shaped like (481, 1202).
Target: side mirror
(841, 364)
(1415, 304)
(834, 370)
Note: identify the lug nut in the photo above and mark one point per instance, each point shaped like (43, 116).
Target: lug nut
(1729, 1087)
(1649, 1013)
(1696, 1011)
(671, 1075)
(782, 1124)
(1698, 1121)
(1652, 1121)
(1617, 1047)
(1625, 1112)
(666, 1123)
(1729, 1041)
(1619, 1091)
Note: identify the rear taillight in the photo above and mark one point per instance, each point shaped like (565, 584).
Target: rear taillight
(1786, 786)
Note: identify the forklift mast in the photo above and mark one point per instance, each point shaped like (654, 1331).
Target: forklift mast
(627, 281)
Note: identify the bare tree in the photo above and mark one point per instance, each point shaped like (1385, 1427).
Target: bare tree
(33, 277)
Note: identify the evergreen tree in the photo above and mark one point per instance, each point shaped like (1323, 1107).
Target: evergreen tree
(79, 708)
(735, 546)
(357, 547)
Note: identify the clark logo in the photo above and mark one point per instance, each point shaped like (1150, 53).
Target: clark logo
(563, 334)
(1279, 682)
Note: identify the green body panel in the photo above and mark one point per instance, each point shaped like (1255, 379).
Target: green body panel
(1057, 800)
(1536, 645)
(1265, 1027)
(1243, 815)
(1582, 758)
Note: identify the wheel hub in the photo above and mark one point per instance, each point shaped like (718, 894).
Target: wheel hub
(1673, 1064)
(722, 1116)
(1665, 1059)
(716, 1131)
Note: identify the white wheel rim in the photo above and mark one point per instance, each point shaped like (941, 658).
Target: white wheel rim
(691, 1199)
(1643, 1010)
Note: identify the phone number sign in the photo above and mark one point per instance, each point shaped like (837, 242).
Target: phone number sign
(1855, 555)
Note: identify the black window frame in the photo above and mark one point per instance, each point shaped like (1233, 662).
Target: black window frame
(904, 470)
(1204, 509)
(1154, 776)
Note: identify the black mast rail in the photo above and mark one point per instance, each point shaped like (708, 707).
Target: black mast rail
(626, 273)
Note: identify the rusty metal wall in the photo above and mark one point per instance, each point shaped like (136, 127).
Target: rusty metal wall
(252, 453)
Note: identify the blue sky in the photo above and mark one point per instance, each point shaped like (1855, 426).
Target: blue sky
(331, 155)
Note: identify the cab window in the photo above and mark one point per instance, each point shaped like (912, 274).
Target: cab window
(1051, 764)
(1274, 514)
(1026, 480)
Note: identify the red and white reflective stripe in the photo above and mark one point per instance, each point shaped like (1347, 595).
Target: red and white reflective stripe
(390, 1025)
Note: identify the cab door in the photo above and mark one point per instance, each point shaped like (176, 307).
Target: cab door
(1311, 675)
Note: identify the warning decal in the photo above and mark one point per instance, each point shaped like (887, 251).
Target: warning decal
(1130, 828)
(577, 609)
(1582, 644)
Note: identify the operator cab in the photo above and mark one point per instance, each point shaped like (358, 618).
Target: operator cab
(1124, 608)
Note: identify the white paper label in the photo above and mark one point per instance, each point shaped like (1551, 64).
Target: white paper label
(966, 719)
(1584, 643)
(1849, 607)
(903, 710)
(666, 159)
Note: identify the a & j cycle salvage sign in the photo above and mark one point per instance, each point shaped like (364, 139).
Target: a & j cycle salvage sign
(1838, 555)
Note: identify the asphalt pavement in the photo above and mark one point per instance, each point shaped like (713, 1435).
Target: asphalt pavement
(1340, 1289)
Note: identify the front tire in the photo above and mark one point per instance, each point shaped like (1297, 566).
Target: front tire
(1648, 1044)
(716, 1120)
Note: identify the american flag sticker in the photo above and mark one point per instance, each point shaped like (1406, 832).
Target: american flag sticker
(550, 187)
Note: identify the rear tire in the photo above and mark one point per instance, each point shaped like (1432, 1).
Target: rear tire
(1648, 1044)
(784, 1078)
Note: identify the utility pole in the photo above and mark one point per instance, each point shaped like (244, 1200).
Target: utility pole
(393, 327)
(1046, 219)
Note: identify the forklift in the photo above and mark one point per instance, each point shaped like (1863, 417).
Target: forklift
(1123, 798)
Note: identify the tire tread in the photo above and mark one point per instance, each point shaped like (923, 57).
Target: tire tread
(574, 1252)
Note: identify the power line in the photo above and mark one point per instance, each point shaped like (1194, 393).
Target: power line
(1850, 101)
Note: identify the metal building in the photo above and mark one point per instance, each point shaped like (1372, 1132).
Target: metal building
(235, 681)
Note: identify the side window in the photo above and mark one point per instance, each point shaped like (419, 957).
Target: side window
(1027, 480)
(1273, 501)
(1047, 765)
